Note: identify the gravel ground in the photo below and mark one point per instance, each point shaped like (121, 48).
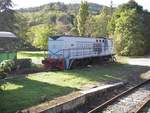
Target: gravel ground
(139, 61)
(125, 104)
(146, 109)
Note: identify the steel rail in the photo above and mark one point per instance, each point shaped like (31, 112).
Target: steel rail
(143, 106)
(110, 101)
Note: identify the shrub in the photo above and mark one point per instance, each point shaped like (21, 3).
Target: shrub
(2, 74)
(7, 66)
(127, 29)
(23, 63)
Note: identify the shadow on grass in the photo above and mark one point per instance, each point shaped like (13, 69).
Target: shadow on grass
(26, 93)
(106, 72)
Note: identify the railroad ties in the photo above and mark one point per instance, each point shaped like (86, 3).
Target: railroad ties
(134, 100)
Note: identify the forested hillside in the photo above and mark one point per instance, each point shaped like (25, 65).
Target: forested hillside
(59, 14)
(128, 24)
(60, 6)
(60, 18)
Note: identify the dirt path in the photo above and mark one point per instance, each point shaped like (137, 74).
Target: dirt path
(139, 61)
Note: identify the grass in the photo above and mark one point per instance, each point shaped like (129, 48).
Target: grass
(35, 56)
(22, 92)
(31, 54)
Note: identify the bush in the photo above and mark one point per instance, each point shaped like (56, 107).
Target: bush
(2, 74)
(7, 66)
(23, 63)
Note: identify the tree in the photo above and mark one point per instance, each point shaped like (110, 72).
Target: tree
(101, 23)
(82, 18)
(90, 26)
(127, 29)
(38, 35)
(22, 25)
(74, 29)
(146, 31)
(7, 16)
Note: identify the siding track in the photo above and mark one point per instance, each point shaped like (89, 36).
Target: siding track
(130, 101)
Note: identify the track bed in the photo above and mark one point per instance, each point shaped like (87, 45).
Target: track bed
(128, 102)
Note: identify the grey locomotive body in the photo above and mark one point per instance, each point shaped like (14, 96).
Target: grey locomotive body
(65, 52)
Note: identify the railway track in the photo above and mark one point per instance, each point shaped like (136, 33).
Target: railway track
(132, 100)
(143, 107)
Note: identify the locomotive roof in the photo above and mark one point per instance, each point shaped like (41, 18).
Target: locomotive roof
(56, 37)
(4, 34)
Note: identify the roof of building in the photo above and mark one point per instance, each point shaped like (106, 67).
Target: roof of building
(4, 34)
(58, 36)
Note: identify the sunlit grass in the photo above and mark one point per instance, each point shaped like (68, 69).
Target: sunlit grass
(11, 86)
(35, 56)
(23, 92)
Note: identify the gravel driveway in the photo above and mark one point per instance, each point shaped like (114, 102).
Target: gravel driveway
(139, 61)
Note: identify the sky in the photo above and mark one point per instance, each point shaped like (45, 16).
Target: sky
(33, 3)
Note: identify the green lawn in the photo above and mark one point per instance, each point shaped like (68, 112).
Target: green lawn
(22, 92)
(35, 56)
(22, 54)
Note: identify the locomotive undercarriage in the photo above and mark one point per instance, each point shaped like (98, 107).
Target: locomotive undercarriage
(91, 61)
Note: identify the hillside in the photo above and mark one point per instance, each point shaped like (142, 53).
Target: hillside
(59, 19)
(59, 15)
(59, 6)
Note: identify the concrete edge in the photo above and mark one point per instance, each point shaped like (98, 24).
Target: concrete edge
(70, 101)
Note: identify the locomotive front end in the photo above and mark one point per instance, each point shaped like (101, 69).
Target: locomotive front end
(54, 63)
(55, 58)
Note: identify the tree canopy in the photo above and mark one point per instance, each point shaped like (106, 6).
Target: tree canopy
(128, 24)
(7, 16)
(127, 29)
(38, 35)
(82, 18)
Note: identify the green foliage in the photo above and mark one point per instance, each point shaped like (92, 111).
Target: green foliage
(82, 18)
(23, 25)
(146, 16)
(38, 35)
(89, 26)
(101, 23)
(127, 29)
(7, 16)
(2, 75)
(29, 89)
(23, 63)
(74, 29)
(7, 65)
(61, 7)
(90, 20)
(62, 17)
